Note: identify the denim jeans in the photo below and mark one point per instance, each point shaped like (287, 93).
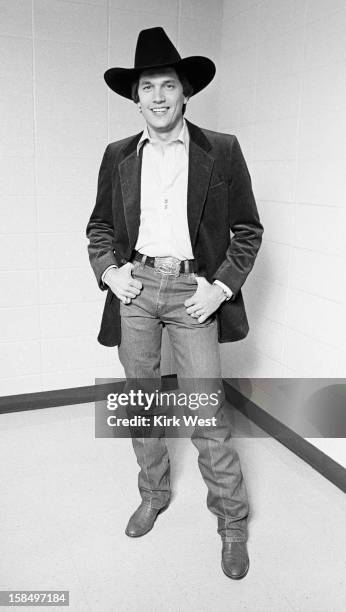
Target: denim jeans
(196, 353)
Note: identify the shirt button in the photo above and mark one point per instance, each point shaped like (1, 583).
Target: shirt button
(165, 200)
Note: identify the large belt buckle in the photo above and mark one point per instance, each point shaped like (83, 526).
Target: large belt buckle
(167, 265)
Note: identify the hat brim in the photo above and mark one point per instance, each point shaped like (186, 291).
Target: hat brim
(199, 71)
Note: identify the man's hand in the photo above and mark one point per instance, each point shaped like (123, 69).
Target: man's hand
(120, 281)
(205, 301)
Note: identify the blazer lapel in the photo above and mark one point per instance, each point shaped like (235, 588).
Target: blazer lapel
(130, 181)
(200, 168)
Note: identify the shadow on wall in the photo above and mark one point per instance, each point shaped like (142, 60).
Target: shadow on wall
(326, 411)
(312, 408)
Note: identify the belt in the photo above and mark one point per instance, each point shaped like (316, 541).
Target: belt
(166, 265)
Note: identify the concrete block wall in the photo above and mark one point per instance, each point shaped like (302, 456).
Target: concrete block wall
(280, 88)
(282, 92)
(57, 116)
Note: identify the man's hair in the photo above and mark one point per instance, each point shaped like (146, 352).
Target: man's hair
(187, 87)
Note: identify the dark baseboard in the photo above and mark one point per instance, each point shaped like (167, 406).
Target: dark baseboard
(53, 399)
(318, 460)
(66, 397)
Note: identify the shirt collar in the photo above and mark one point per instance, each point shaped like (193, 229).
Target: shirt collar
(183, 137)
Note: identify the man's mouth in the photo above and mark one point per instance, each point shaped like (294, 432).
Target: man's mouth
(162, 110)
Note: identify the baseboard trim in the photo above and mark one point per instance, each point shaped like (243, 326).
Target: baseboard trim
(318, 460)
(66, 397)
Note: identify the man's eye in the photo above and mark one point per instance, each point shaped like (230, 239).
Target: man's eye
(170, 86)
(146, 87)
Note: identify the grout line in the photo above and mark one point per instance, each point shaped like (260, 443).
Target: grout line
(299, 331)
(108, 65)
(34, 94)
(52, 304)
(179, 14)
(308, 249)
(291, 202)
(62, 372)
(294, 196)
(81, 2)
(74, 268)
(53, 339)
(81, 301)
(45, 233)
(2, 308)
(26, 37)
(300, 248)
(307, 21)
(221, 88)
(255, 85)
(297, 289)
(239, 12)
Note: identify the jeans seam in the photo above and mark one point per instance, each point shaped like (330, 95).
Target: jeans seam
(161, 296)
(215, 480)
(158, 296)
(146, 470)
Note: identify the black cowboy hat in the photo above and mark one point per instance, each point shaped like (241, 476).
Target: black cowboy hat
(155, 50)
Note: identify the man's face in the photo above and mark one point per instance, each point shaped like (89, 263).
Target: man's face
(161, 99)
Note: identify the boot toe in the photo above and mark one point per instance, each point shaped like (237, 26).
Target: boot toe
(142, 521)
(235, 560)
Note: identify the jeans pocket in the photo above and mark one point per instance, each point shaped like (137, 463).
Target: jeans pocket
(190, 280)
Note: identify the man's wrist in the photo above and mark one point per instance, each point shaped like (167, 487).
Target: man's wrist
(225, 290)
(220, 293)
(104, 274)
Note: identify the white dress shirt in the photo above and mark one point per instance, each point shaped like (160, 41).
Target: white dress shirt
(163, 229)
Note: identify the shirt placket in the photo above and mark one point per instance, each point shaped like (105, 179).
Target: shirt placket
(165, 169)
(163, 203)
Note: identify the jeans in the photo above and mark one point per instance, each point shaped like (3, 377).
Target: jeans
(196, 354)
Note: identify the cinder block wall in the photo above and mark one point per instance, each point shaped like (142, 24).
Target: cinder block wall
(283, 88)
(57, 116)
(280, 88)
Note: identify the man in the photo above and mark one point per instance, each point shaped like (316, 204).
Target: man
(160, 240)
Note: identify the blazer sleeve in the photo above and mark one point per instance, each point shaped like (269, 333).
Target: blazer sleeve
(100, 229)
(244, 223)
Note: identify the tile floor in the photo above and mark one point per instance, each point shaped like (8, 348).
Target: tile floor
(66, 498)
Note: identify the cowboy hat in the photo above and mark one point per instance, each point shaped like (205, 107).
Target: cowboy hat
(155, 50)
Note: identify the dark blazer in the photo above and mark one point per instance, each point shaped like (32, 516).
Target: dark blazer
(219, 199)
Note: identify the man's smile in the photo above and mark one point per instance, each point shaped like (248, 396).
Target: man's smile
(160, 110)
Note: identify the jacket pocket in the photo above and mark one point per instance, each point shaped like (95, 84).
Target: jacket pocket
(218, 184)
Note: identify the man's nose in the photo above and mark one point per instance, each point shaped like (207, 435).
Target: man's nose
(159, 95)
